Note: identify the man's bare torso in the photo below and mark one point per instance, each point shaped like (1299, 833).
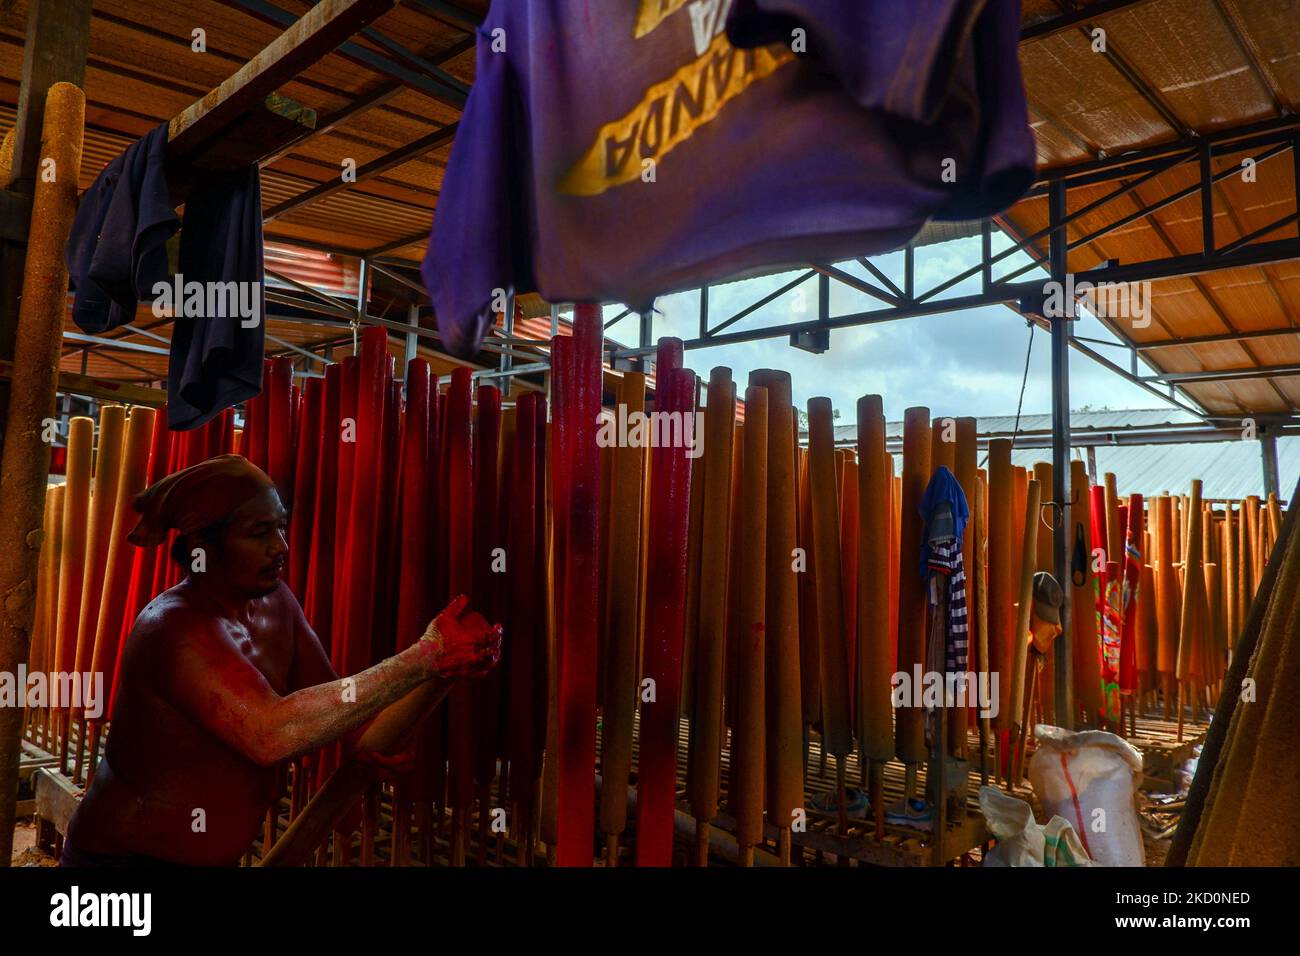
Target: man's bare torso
(169, 788)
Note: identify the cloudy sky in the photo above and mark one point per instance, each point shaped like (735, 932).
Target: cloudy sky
(960, 363)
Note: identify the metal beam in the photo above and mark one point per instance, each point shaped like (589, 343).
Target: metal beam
(1147, 210)
(365, 101)
(393, 246)
(1268, 458)
(295, 348)
(115, 343)
(508, 355)
(1172, 433)
(412, 337)
(1061, 520)
(1054, 25)
(336, 305)
(1226, 375)
(422, 80)
(1093, 171)
(1259, 68)
(1216, 339)
(355, 107)
(1004, 293)
(449, 12)
(316, 33)
(398, 278)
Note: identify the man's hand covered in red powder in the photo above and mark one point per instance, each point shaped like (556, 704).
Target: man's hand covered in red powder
(464, 644)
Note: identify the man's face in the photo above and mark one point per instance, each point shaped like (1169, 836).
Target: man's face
(254, 546)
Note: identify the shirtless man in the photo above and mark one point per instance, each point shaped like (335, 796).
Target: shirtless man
(223, 680)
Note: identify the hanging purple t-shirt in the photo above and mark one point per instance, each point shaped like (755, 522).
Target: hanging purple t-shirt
(622, 149)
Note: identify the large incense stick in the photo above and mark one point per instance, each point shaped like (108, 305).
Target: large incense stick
(117, 572)
(670, 471)
(487, 583)
(782, 681)
(76, 511)
(103, 502)
(576, 802)
(1001, 588)
(810, 676)
(527, 654)
(1045, 561)
(837, 719)
(1029, 546)
(1083, 618)
(704, 769)
(1168, 601)
(306, 472)
(875, 657)
(623, 618)
(909, 722)
(745, 796)
(459, 477)
(1210, 767)
(1192, 616)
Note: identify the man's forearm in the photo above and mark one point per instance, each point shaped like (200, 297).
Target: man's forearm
(391, 730)
(310, 718)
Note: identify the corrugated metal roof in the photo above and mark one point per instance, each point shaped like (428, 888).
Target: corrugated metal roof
(1172, 71)
(1100, 420)
(1227, 469)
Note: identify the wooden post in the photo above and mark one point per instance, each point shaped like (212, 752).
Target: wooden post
(58, 33)
(25, 461)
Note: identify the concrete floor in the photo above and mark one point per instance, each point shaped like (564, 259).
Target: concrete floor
(26, 853)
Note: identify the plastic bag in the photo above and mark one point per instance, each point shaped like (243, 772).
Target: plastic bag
(1091, 779)
(1024, 842)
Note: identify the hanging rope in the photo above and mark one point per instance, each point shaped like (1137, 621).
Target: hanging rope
(1024, 380)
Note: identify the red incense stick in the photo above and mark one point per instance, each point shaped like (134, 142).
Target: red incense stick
(670, 479)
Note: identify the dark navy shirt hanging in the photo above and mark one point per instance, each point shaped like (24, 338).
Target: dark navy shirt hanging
(116, 256)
